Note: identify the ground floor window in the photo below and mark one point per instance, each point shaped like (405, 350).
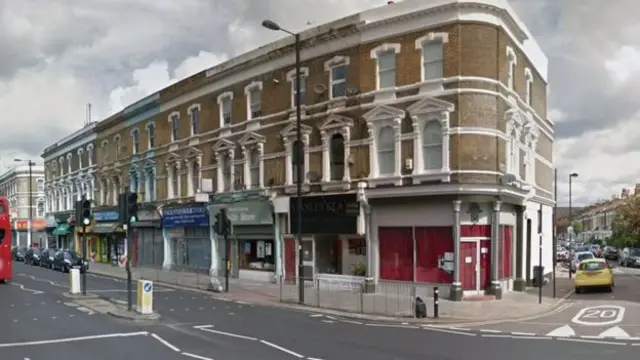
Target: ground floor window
(193, 250)
(256, 254)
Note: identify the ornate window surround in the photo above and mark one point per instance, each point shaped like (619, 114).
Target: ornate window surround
(80, 152)
(190, 112)
(377, 118)
(289, 137)
(385, 94)
(220, 148)
(69, 168)
(512, 61)
(422, 112)
(148, 127)
(528, 82)
(428, 86)
(254, 85)
(193, 156)
(90, 154)
(336, 124)
(329, 65)
(174, 116)
(227, 95)
(248, 143)
(291, 75)
(173, 166)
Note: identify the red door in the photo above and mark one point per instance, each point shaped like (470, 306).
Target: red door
(468, 258)
(6, 271)
(485, 263)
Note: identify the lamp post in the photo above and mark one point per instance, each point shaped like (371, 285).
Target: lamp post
(31, 164)
(271, 25)
(571, 176)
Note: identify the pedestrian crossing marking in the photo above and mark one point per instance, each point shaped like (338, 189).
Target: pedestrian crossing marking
(615, 332)
(567, 331)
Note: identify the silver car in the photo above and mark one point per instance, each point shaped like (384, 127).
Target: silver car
(579, 257)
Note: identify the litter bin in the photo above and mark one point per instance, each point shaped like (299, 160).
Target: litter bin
(538, 276)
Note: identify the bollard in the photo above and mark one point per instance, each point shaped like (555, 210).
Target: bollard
(436, 295)
(145, 297)
(74, 281)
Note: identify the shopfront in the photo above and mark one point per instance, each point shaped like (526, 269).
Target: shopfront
(186, 229)
(63, 234)
(148, 232)
(50, 224)
(21, 232)
(331, 244)
(107, 238)
(253, 244)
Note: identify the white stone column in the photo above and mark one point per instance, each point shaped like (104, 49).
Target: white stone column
(260, 148)
(346, 138)
(246, 166)
(397, 147)
(232, 175)
(190, 189)
(326, 156)
(305, 168)
(170, 175)
(177, 170)
(219, 173)
(373, 152)
(288, 147)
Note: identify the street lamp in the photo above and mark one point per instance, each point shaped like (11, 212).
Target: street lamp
(31, 165)
(571, 176)
(271, 25)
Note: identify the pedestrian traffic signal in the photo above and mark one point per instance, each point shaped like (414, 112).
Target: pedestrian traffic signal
(222, 225)
(86, 212)
(132, 207)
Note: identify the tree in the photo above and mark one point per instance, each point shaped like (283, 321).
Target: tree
(626, 225)
(577, 227)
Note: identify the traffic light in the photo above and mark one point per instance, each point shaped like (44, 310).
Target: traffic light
(86, 212)
(222, 226)
(132, 208)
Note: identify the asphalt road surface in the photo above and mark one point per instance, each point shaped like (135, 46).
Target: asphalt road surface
(200, 326)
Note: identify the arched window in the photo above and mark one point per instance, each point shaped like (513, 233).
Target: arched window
(40, 210)
(337, 157)
(432, 145)
(297, 159)
(254, 168)
(386, 151)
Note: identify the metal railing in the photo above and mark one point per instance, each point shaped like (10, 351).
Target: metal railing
(367, 297)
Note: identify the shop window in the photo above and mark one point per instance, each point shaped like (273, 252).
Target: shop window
(505, 252)
(431, 245)
(396, 253)
(256, 255)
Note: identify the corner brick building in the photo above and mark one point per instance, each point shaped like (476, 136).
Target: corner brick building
(427, 153)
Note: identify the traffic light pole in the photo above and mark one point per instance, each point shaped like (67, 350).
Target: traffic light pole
(128, 267)
(227, 271)
(84, 259)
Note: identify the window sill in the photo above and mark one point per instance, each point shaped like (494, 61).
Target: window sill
(291, 189)
(253, 124)
(443, 175)
(428, 87)
(385, 180)
(384, 95)
(336, 185)
(194, 141)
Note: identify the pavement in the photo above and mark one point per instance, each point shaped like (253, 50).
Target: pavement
(201, 326)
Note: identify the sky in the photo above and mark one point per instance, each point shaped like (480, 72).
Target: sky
(57, 56)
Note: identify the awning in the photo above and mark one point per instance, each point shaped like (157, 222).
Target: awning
(105, 228)
(62, 229)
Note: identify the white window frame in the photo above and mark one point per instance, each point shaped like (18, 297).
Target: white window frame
(514, 123)
(135, 139)
(335, 124)
(291, 75)
(116, 147)
(254, 85)
(220, 149)
(329, 66)
(150, 145)
(80, 153)
(512, 61)
(528, 81)
(248, 143)
(530, 145)
(105, 149)
(194, 130)
(377, 118)
(388, 93)
(422, 112)
(174, 123)
(289, 137)
(90, 154)
(440, 38)
(150, 176)
(222, 98)
(69, 157)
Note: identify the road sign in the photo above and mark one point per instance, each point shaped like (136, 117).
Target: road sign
(148, 287)
(602, 315)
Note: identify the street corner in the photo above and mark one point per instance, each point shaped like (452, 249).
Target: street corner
(124, 314)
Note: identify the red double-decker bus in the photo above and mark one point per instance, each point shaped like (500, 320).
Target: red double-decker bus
(6, 271)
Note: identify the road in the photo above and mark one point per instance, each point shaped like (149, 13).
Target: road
(200, 326)
(591, 315)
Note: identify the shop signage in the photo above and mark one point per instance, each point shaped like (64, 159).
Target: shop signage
(106, 216)
(185, 217)
(36, 224)
(329, 214)
(246, 213)
(62, 217)
(148, 215)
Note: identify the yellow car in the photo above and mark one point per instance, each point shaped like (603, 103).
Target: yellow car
(594, 273)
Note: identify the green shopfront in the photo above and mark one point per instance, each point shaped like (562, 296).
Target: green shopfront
(63, 235)
(253, 244)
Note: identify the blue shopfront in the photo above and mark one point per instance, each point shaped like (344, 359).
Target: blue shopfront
(187, 237)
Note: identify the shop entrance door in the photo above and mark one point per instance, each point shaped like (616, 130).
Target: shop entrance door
(308, 259)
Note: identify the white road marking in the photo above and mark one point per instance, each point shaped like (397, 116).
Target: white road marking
(277, 347)
(490, 331)
(316, 315)
(518, 333)
(393, 326)
(237, 336)
(165, 343)
(451, 331)
(614, 332)
(22, 287)
(593, 341)
(73, 339)
(562, 331)
(601, 315)
(195, 356)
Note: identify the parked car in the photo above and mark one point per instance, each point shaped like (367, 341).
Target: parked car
(562, 254)
(46, 258)
(32, 256)
(66, 260)
(594, 273)
(580, 257)
(610, 253)
(18, 253)
(630, 257)
(596, 250)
